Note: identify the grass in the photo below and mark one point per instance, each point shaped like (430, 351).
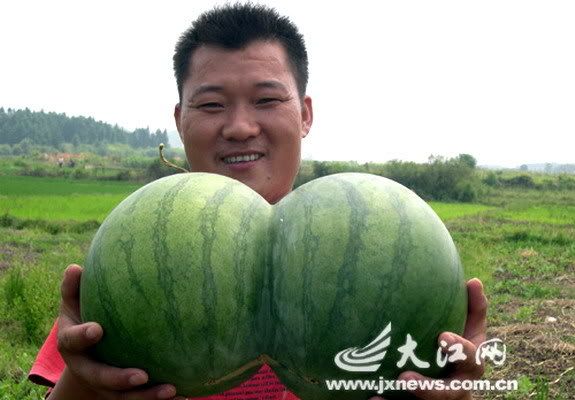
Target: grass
(521, 244)
(56, 199)
(31, 266)
(517, 198)
(449, 211)
(53, 199)
(548, 214)
(34, 186)
(75, 207)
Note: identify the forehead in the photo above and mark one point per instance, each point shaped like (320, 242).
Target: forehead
(257, 61)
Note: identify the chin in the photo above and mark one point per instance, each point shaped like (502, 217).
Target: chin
(262, 188)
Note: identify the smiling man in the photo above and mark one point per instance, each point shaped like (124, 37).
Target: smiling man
(241, 115)
(241, 72)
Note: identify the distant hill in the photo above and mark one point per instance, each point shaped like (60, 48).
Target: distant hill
(548, 168)
(52, 129)
(551, 168)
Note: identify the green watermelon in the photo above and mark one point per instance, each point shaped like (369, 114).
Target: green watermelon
(198, 280)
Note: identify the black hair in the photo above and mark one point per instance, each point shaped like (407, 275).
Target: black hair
(236, 26)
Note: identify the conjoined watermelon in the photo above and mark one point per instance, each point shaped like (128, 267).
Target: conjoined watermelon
(198, 280)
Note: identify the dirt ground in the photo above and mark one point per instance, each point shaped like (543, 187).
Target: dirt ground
(543, 348)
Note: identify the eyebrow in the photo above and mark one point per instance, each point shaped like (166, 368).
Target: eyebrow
(271, 85)
(218, 89)
(206, 89)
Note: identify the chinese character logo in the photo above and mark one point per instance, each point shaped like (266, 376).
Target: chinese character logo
(367, 358)
(408, 353)
(494, 350)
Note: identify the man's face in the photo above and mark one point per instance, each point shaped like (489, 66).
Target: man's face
(241, 116)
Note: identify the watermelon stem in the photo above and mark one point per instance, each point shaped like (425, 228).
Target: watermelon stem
(166, 162)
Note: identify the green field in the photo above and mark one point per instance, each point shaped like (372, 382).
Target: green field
(64, 199)
(34, 186)
(521, 243)
(550, 214)
(449, 211)
(55, 199)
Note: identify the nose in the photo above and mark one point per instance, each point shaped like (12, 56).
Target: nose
(240, 125)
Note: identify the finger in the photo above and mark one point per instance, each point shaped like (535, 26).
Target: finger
(476, 323)
(70, 292)
(106, 377)
(431, 391)
(467, 368)
(74, 338)
(156, 392)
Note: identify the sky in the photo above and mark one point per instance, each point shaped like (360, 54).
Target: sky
(389, 79)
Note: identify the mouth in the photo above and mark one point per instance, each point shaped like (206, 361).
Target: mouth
(243, 158)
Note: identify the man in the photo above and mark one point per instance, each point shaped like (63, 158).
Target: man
(242, 73)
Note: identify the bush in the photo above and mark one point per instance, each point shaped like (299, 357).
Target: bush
(125, 175)
(157, 169)
(491, 179)
(453, 179)
(36, 170)
(21, 163)
(440, 179)
(523, 181)
(324, 168)
(305, 173)
(23, 148)
(5, 150)
(136, 162)
(7, 221)
(467, 193)
(565, 182)
(80, 173)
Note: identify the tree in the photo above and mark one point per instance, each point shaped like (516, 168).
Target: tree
(52, 129)
(468, 160)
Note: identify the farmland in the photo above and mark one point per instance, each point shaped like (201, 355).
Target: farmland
(520, 242)
(35, 198)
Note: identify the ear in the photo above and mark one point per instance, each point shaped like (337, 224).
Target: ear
(306, 116)
(177, 112)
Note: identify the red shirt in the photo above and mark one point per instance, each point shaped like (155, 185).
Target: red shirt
(264, 385)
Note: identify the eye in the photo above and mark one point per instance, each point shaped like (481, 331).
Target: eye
(268, 100)
(210, 106)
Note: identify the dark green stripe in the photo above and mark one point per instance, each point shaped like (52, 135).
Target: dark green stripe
(209, 217)
(166, 279)
(311, 243)
(243, 241)
(266, 311)
(347, 274)
(393, 279)
(127, 244)
(112, 323)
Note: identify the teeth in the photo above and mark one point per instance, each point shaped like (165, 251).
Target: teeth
(244, 158)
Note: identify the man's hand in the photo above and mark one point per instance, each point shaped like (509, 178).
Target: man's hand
(473, 336)
(84, 377)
